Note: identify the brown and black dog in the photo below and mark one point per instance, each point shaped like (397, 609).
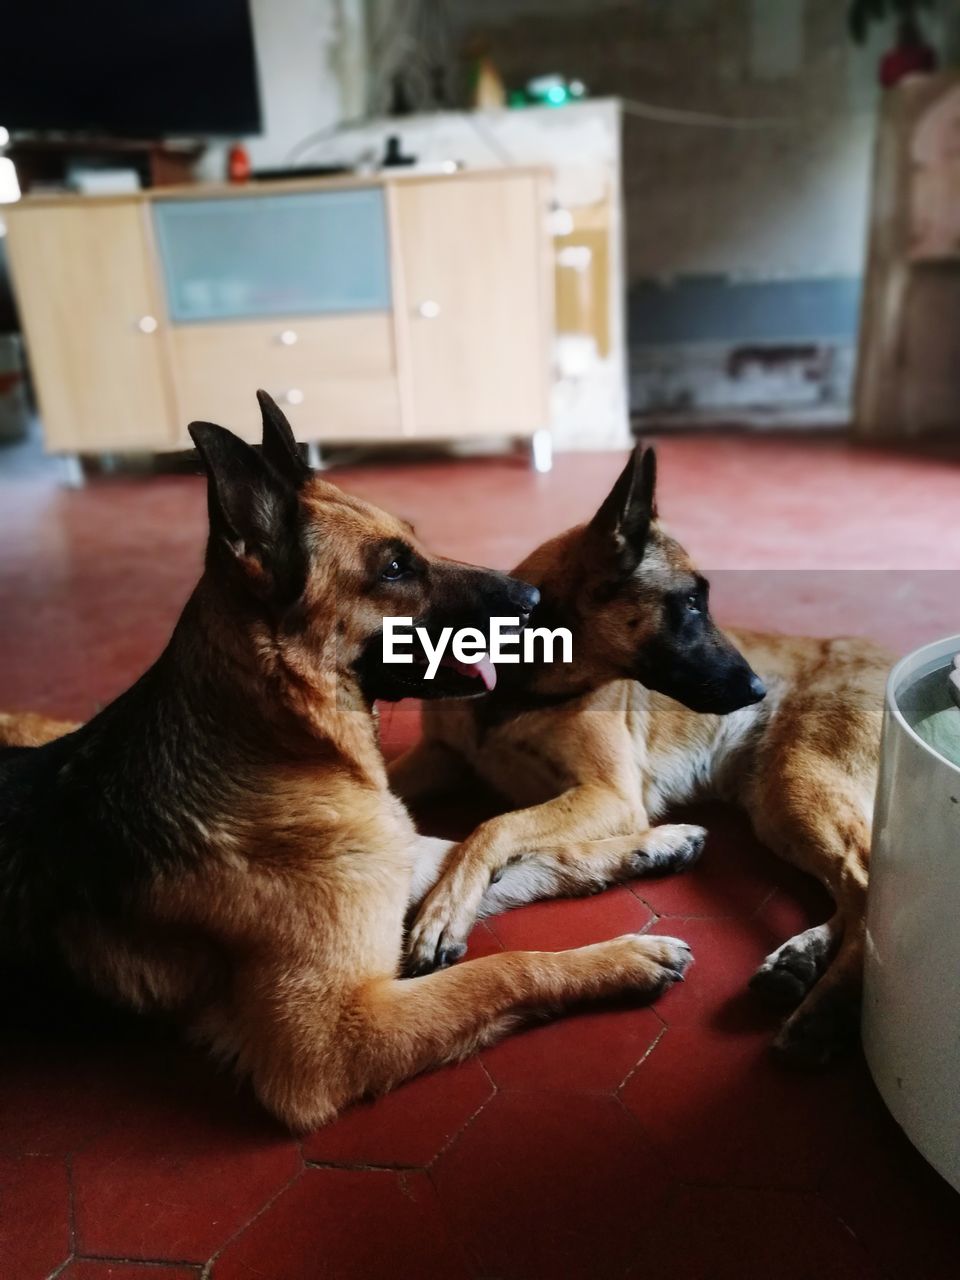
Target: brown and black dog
(657, 708)
(220, 842)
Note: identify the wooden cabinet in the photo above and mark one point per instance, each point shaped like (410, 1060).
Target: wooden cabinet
(335, 375)
(474, 279)
(302, 253)
(376, 309)
(92, 316)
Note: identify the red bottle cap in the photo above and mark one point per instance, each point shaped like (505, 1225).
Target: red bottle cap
(238, 163)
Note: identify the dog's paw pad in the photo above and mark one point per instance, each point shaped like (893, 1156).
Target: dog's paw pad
(779, 986)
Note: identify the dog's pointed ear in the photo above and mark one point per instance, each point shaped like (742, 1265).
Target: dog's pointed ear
(279, 445)
(626, 513)
(253, 511)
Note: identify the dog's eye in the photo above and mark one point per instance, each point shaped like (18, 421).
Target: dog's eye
(393, 571)
(693, 604)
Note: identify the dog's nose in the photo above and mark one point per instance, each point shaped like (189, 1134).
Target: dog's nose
(524, 597)
(758, 689)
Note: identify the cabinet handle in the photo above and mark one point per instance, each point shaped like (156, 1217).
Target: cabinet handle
(293, 396)
(147, 324)
(428, 309)
(288, 337)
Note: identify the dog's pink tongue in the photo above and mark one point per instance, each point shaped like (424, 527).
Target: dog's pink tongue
(483, 668)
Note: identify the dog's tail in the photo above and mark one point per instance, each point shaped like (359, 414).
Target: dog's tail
(28, 730)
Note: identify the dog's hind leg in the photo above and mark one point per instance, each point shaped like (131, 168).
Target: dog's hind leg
(820, 823)
(828, 1020)
(788, 973)
(387, 1030)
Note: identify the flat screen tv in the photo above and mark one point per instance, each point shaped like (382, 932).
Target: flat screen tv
(135, 68)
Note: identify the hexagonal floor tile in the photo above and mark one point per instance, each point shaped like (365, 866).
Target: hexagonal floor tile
(97, 1269)
(52, 1100)
(407, 1127)
(725, 1111)
(482, 942)
(715, 994)
(189, 1159)
(592, 1050)
(349, 1224)
(61, 1087)
(906, 1215)
(729, 1234)
(732, 877)
(570, 922)
(548, 1185)
(34, 1215)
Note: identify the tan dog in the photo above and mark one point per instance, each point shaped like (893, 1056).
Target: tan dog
(599, 749)
(220, 843)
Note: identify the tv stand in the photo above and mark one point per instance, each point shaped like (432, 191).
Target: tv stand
(380, 310)
(46, 160)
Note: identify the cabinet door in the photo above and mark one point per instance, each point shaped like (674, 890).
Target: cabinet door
(255, 256)
(474, 268)
(93, 326)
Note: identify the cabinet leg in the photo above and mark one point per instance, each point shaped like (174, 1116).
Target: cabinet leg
(541, 451)
(315, 456)
(71, 471)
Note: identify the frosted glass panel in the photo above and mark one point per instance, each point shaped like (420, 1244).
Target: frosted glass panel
(299, 254)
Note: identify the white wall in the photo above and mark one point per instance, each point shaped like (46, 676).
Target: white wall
(311, 56)
(764, 203)
(299, 88)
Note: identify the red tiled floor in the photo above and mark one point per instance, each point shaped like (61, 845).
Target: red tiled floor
(552, 1184)
(553, 926)
(885, 1193)
(349, 1225)
(410, 1126)
(34, 1215)
(723, 1111)
(603, 1145)
(185, 1161)
(725, 1233)
(732, 876)
(90, 1269)
(593, 1051)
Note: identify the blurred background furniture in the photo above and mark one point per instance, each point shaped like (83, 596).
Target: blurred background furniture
(384, 309)
(908, 383)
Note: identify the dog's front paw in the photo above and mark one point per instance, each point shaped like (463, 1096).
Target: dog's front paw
(788, 973)
(653, 963)
(672, 847)
(436, 939)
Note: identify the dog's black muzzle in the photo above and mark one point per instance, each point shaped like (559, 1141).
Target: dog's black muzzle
(708, 675)
(466, 597)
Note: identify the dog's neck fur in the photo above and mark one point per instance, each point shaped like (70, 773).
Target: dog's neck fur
(285, 696)
(220, 714)
(539, 683)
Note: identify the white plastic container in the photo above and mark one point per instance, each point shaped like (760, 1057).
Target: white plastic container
(911, 1018)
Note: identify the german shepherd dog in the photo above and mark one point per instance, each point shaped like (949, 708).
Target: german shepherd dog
(657, 708)
(220, 843)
